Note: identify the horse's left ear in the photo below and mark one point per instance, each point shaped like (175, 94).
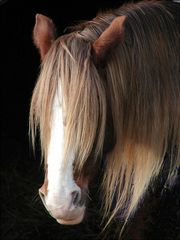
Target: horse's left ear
(110, 38)
(43, 34)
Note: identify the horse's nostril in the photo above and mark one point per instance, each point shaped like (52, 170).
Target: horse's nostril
(75, 197)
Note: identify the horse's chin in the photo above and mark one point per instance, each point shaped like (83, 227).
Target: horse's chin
(72, 221)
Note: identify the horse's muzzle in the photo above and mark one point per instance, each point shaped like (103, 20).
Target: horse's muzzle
(67, 214)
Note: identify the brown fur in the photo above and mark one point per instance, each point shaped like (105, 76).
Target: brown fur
(138, 84)
(108, 40)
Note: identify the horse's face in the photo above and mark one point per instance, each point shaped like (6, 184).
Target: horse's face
(64, 192)
(61, 195)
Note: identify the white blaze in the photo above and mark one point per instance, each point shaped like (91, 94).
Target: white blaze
(60, 179)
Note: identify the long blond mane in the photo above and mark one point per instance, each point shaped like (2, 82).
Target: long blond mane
(139, 81)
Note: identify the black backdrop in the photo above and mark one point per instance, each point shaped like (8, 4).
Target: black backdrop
(22, 214)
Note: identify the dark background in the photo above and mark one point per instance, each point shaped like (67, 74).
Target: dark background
(22, 214)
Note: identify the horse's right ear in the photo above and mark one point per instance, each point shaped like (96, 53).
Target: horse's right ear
(43, 34)
(109, 39)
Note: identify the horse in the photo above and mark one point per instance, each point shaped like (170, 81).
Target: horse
(107, 97)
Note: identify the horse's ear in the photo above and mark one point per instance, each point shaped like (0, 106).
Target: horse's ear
(43, 34)
(111, 37)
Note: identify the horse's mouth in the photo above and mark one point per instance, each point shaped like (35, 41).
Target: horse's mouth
(72, 221)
